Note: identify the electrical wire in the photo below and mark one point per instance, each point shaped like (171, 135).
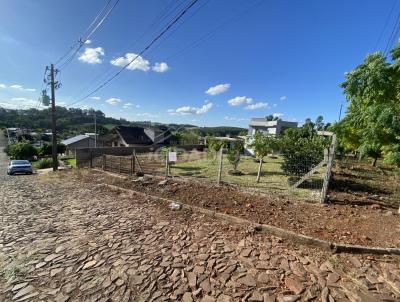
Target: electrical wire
(386, 24)
(393, 35)
(158, 37)
(169, 9)
(87, 34)
(211, 33)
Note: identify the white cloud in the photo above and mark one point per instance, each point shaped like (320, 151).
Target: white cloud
(137, 62)
(113, 101)
(127, 105)
(232, 118)
(283, 98)
(277, 114)
(88, 41)
(92, 55)
(160, 67)
(218, 89)
(97, 98)
(240, 100)
(147, 114)
(18, 87)
(187, 110)
(19, 103)
(256, 106)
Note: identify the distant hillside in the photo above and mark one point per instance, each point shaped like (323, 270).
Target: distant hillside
(72, 121)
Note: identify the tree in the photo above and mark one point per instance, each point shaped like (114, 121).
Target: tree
(21, 150)
(47, 149)
(236, 149)
(319, 123)
(214, 145)
(187, 137)
(302, 149)
(262, 145)
(372, 121)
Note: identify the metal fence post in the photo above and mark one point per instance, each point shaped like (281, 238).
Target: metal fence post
(104, 162)
(91, 160)
(220, 165)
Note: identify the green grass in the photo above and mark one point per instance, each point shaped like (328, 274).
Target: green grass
(71, 162)
(273, 180)
(42, 163)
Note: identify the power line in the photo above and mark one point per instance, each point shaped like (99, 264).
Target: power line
(393, 35)
(386, 24)
(163, 32)
(86, 30)
(169, 9)
(87, 34)
(211, 33)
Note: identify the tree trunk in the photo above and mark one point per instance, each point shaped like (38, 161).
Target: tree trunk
(374, 161)
(259, 170)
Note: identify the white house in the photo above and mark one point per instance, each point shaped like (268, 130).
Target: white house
(266, 127)
(269, 127)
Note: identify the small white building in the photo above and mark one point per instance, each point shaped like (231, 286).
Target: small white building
(269, 127)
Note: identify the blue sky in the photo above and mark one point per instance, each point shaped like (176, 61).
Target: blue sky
(280, 57)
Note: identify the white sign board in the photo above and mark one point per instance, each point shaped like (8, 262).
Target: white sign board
(172, 156)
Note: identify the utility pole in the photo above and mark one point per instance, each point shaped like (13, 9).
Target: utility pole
(53, 118)
(340, 112)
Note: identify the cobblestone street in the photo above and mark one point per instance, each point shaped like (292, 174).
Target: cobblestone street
(62, 239)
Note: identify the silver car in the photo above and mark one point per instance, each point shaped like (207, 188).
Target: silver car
(19, 166)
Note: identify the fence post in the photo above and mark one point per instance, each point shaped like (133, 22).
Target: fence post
(119, 170)
(91, 160)
(220, 165)
(167, 164)
(327, 178)
(104, 162)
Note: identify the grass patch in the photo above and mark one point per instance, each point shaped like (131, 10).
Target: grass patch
(71, 162)
(43, 163)
(273, 179)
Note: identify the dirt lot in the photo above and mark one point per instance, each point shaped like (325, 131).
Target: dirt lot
(369, 224)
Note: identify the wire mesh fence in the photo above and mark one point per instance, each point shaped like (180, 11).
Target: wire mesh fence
(308, 179)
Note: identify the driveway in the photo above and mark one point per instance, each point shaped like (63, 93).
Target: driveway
(64, 238)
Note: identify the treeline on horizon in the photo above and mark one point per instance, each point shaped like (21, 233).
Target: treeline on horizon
(72, 121)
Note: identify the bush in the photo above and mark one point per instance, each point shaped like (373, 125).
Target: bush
(46, 149)
(44, 163)
(234, 153)
(302, 150)
(21, 150)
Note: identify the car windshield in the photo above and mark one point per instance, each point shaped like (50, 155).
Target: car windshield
(20, 162)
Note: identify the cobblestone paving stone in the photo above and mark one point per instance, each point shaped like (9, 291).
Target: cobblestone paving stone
(65, 240)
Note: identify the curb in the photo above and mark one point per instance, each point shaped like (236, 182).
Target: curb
(298, 238)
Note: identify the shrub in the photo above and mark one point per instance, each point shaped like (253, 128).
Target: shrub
(47, 149)
(302, 150)
(44, 163)
(234, 153)
(21, 150)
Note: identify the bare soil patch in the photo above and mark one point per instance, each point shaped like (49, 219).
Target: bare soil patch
(340, 223)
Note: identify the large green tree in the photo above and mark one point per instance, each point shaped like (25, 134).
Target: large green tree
(372, 123)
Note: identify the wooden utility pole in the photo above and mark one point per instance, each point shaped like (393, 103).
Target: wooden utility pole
(53, 118)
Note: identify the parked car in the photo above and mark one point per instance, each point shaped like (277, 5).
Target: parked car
(19, 166)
